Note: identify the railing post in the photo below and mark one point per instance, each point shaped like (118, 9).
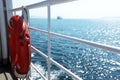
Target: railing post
(14, 13)
(49, 44)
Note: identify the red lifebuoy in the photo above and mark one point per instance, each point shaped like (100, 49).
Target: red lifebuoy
(19, 45)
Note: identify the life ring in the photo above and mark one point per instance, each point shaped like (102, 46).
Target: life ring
(19, 46)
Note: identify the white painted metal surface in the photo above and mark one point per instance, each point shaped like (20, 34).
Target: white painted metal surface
(3, 33)
(49, 43)
(9, 6)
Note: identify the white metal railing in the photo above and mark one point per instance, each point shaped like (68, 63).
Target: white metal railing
(57, 64)
(43, 4)
(90, 43)
(48, 3)
(38, 72)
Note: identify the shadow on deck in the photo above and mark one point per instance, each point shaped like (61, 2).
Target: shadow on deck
(6, 73)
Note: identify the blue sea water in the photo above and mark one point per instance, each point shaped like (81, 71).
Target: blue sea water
(88, 62)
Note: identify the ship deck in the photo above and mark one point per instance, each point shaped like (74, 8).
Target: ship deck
(6, 73)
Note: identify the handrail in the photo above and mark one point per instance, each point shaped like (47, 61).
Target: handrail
(38, 72)
(42, 4)
(90, 43)
(57, 64)
(48, 3)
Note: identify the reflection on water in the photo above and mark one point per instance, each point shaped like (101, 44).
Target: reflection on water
(88, 62)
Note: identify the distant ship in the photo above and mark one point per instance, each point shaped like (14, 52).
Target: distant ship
(59, 17)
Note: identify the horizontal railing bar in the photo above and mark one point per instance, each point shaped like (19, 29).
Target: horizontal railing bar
(58, 65)
(39, 30)
(90, 43)
(41, 53)
(43, 4)
(38, 72)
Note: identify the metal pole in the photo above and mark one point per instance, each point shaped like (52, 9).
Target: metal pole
(49, 44)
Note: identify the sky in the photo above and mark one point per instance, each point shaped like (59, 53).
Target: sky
(76, 9)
